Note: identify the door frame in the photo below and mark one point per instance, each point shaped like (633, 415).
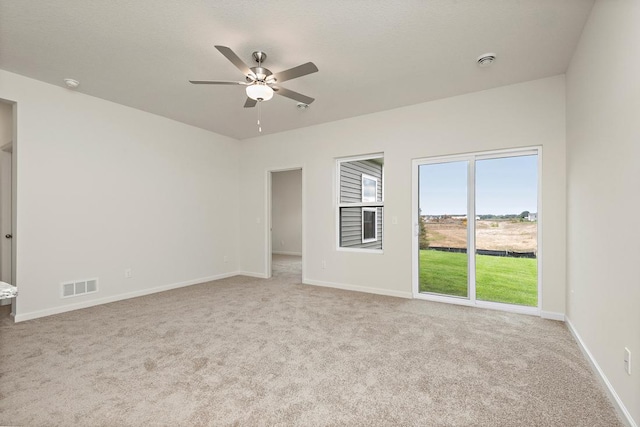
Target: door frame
(415, 252)
(13, 146)
(268, 222)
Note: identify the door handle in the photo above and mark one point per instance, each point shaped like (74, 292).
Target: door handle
(8, 236)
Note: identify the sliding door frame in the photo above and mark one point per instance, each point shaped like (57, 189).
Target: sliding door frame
(471, 158)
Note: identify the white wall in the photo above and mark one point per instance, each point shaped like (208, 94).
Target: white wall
(286, 212)
(603, 176)
(521, 115)
(102, 187)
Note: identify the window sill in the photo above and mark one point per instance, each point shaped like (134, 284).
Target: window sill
(360, 250)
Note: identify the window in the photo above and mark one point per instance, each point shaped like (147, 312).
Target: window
(369, 188)
(360, 202)
(369, 232)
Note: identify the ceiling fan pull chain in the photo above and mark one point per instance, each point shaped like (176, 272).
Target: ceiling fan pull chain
(259, 116)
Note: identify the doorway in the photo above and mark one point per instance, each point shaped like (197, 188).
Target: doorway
(476, 233)
(7, 140)
(285, 246)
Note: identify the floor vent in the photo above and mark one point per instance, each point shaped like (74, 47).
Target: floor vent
(80, 287)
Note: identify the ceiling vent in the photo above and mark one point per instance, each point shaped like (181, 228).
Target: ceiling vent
(71, 83)
(486, 59)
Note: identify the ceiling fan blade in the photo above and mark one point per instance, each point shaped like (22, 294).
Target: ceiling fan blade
(295, 72)
(215, 82)
(293, 95)
(250, 103)
(235, 60)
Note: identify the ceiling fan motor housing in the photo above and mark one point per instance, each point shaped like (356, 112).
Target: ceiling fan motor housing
(261, 74)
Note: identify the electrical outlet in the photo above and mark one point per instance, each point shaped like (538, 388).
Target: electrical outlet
(324, 264)
(128, 274)
(226, 259)
(627, 360)
(282, 243)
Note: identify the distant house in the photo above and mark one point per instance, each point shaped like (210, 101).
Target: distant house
(532, 216)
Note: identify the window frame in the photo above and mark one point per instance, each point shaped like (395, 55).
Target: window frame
(471, 211)
(377, 204)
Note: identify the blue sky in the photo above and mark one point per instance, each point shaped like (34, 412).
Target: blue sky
(503, 186)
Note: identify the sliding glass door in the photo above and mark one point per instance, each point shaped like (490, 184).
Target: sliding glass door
(507, 230)
(443, 239)
(476, 229)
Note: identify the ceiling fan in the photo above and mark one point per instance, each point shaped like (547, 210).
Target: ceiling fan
(260, 82)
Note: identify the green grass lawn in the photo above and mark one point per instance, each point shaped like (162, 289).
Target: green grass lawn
(499, 279)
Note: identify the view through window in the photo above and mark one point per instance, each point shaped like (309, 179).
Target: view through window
(360, 202)
(478, 228)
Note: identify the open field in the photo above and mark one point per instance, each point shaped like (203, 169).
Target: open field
(498, 279)
(501, 235)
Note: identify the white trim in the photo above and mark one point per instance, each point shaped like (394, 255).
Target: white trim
(287, 253)
(507, 152)
(361, 250)
(471, 230)
(490, 305)
(362, 205)
(552, 315)
(357, 288)
(512, 308)
(415, 228)
(539, 214)
(21, 317)
(449, 299)
(378, 155)
(612, 392)
(252, 274)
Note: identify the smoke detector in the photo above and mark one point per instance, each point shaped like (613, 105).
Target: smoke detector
(71, 83)
(485, 60)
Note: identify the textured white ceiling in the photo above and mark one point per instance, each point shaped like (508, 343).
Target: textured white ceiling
(373, 55)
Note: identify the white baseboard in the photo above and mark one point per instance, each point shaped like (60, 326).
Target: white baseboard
(358, 288)
(552, 315)
(21, 317)
(286, 253)
(252, 274)
(614, 396)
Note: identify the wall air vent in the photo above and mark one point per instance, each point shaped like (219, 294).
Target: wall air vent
(79, 287)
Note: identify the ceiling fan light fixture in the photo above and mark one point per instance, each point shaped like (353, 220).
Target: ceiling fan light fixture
(259, 92)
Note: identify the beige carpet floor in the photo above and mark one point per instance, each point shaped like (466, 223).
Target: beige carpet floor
(253, 352)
